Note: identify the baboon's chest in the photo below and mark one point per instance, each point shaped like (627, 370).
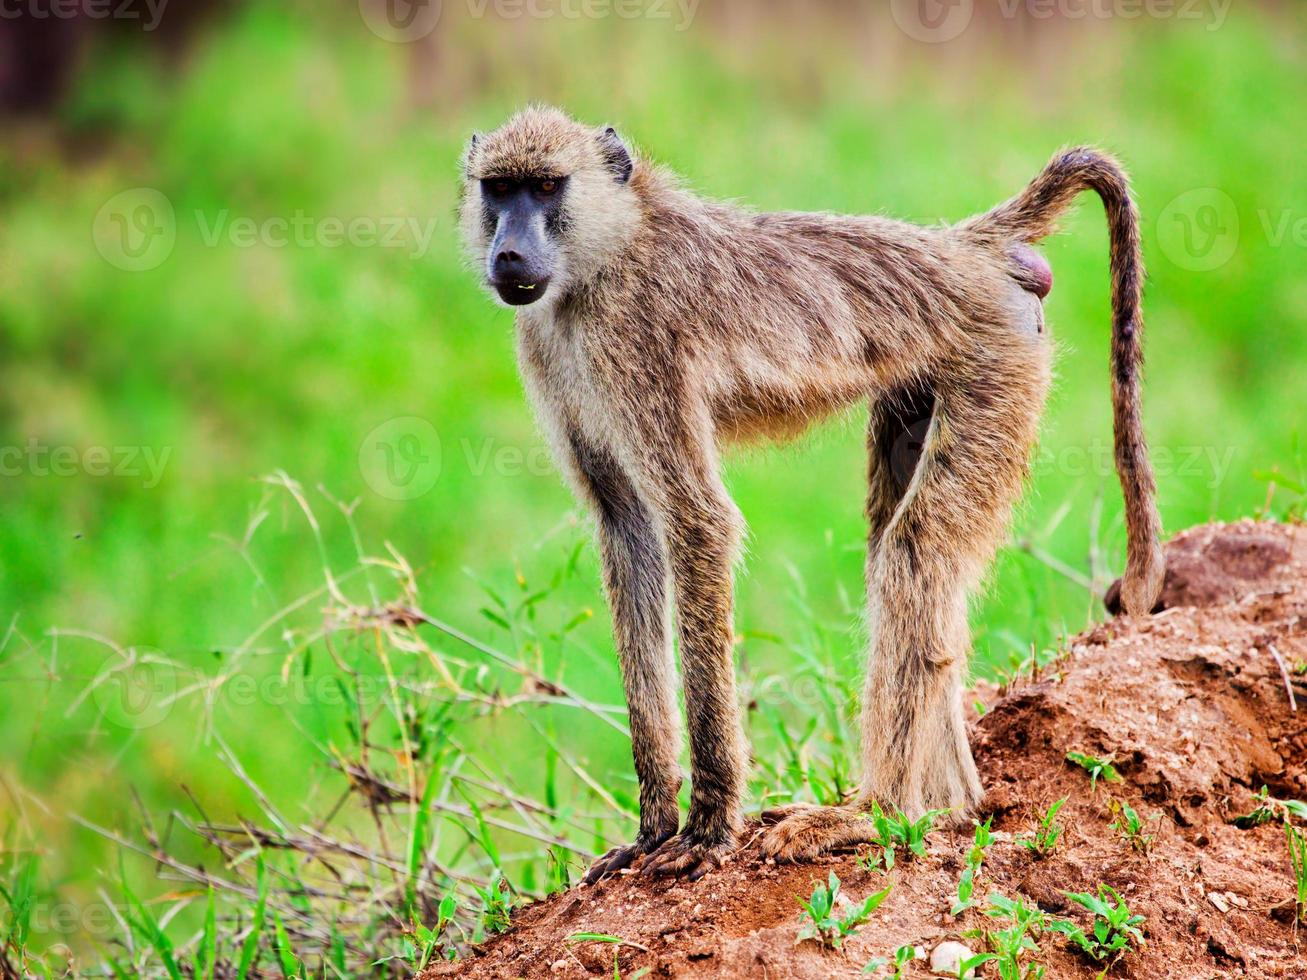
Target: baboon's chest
(561, 378)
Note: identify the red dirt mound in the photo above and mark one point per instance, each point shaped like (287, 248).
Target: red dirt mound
(1194, 706)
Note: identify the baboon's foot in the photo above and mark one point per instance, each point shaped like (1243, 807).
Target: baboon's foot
(624, 856)
(801, 832)
(690, 855)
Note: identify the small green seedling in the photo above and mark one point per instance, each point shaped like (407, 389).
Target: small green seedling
(966, 969)
(429, 941)
(1269, 808)
(617, 941)
(1114, 932)
(1131, 827)
(603, 937)
(1286, 811)
(975, 857)
(823, 925)
(1096, 767)
(1010, 946)
(903, 956)
(1298, 861)
(898, 831)
(1046, 835)
(497, 910)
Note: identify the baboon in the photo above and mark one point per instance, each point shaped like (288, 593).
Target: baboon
(652, 326)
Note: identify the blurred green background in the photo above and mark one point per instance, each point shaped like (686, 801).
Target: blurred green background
(163, 346)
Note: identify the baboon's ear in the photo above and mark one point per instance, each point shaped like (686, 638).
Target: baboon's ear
(468, 151)
(616, 155)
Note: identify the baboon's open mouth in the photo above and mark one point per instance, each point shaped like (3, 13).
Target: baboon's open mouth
(521, 293)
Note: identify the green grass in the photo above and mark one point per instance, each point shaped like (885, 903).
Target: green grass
(821, 919)
(204, 596)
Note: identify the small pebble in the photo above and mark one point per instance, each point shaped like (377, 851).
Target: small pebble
(947, 958)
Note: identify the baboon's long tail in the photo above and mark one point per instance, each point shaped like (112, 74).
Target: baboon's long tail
(1030, 216)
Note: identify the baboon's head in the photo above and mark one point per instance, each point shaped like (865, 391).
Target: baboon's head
(547, 202)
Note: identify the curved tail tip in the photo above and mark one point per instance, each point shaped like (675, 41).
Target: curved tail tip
(1141, 587)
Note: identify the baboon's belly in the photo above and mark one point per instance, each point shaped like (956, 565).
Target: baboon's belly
(752, 408)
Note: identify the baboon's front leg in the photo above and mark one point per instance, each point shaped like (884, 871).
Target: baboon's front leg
(702, 533)
(635, 578)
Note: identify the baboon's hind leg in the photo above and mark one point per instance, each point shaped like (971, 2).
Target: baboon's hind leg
(931, 554)
(921, 565)
(896, 432)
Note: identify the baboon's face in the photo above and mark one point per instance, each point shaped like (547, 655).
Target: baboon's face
(547, 204)
(523, 217)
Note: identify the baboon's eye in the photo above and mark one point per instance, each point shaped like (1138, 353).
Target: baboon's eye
(547, 186)
(501, 187)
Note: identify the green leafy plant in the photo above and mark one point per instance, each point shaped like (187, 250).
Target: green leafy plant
(1096, 767)
(1294, 508)
(966, 968)
(1269, 809)
(1044, 838)
(1010, 947)
(903, 957)
(497, 910)
(895, 832)
(1113, 933)
(822, 922)
(601, 937)
(431, 940)
(1298, 861)
(1029, 663)
(975, 857)
(1132, 827)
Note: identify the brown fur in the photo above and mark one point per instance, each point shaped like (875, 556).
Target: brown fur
(676, 323)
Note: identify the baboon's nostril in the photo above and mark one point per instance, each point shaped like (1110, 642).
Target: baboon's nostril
(507, 255)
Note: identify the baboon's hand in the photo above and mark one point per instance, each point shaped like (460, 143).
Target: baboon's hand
(685, 855)
(622, 857)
